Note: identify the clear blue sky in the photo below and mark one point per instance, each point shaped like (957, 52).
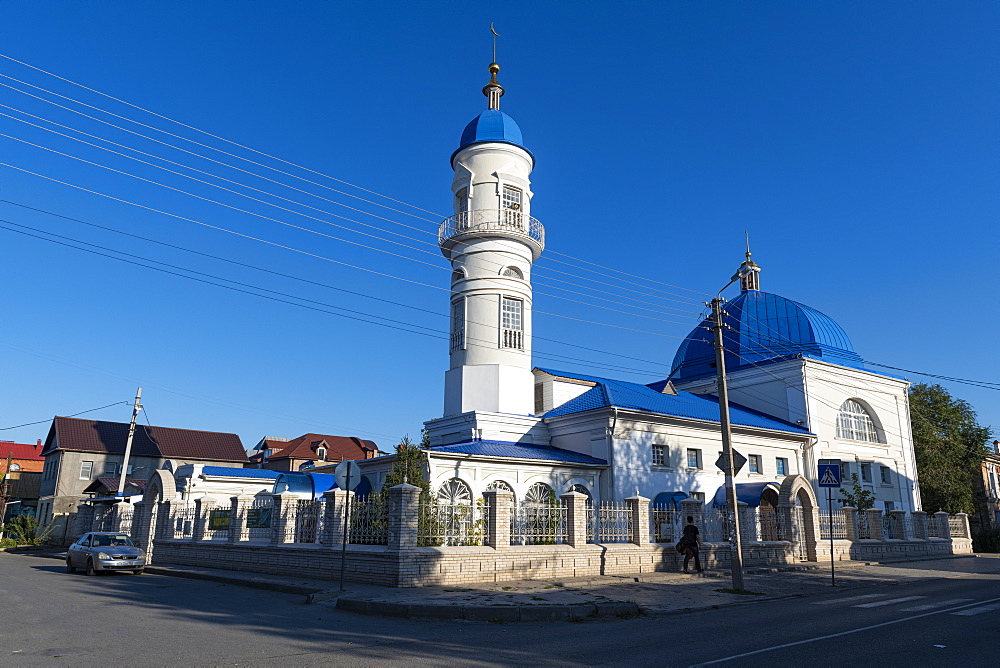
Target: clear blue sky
(857, 142)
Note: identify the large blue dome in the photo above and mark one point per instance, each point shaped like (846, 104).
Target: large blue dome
(764, 327)
(491, 126)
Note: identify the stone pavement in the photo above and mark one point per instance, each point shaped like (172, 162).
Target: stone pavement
(572, 598)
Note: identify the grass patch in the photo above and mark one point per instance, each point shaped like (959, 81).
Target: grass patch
(741, 592)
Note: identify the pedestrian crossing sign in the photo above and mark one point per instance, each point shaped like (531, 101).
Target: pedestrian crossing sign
(829, 475)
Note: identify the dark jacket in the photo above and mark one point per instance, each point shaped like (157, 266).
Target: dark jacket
(691, 539)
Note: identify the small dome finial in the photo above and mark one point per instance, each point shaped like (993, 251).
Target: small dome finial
(749, 272)
(493, 90)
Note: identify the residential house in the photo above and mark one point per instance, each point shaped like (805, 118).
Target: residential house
(987, 486)
(292, 454)
(21, 470)
(79, 453)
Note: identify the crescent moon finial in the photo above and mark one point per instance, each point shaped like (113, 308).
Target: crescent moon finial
(493, 30)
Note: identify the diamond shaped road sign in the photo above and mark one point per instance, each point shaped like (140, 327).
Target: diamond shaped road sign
(738, 462)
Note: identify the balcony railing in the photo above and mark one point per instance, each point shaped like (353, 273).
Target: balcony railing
(492, 221)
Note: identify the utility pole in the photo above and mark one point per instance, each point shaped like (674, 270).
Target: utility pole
(136, 407)
(732, 508)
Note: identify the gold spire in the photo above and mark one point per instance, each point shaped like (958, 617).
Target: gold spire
(493, 90)
(749, 272)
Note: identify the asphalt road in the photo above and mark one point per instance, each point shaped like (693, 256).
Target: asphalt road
(950, 616)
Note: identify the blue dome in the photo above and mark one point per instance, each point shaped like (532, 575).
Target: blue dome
(764, 328)
(491, 125)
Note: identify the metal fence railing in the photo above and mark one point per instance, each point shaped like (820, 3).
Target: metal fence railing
(612, 523)
(832, 525)
(308, 514)
(538, 524)
(451, 523)
(862, 528)
(370, 520)
(259, 517)
(956, 527)
(666, 525)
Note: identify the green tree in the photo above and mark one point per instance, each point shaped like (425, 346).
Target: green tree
(949, 445)
(859, 497)
(410, 467)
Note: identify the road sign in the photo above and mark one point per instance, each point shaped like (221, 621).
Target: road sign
(829, 475)
(347, 474)
(738, 462)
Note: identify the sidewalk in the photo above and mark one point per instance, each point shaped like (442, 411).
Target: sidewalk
(566, 598)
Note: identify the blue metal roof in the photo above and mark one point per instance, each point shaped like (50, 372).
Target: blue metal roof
(518, 450)
(240, 473)
(621, 394)
(491, 126)
(747, 492)
(763, 328)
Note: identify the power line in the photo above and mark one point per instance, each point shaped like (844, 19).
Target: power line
(89, 410)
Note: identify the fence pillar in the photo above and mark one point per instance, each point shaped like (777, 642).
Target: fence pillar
(202, 511)
(404, 507)
(284, 509)
(898, 520)
(498, 507)
(850, 522)
(874, 523)
(963, 518)
(941, 528)
(694, 509)
(919, 524)
(576, 518)
(639, 507)
(334, 523)
(238, 506)
(165, 519)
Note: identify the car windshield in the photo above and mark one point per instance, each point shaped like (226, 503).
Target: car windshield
(113, 540)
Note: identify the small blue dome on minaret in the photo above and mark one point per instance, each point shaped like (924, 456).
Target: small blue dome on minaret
(491, 125)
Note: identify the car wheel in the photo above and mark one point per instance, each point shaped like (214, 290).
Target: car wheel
(70, 568)
(90, 567)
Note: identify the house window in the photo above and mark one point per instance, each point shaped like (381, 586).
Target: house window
(781, 466)
(659, 457)
(111, 468)
(889, 505)
(886, 474)
(462, 203)
(512, 324)
(855, 424)
(693, 458)
(86, 470)
(754, 463)
(511, 198)
(458, 324)
(845, 471)
(321, 454)
(513, 272)
(866, 473)
(698, 496)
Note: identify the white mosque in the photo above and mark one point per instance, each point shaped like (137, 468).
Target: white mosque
(800, 395)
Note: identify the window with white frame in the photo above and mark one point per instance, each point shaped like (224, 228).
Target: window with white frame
(512, 323)
(886, 475)
(866, 472)
(458, 324)
(462, 200)
(693, 458)
(86, 470)
(854, 423)
(511, 198)
(513, 272)
(659, 455)
(754, 461)
(781, 466)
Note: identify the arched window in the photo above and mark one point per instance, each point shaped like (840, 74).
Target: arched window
(513, 272)
(540, 494)
(501, 486)
(457, 275)
(855, 424)
(455, 492)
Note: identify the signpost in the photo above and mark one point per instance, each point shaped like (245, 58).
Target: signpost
(347, 476)
(829, 477)
(739, 461)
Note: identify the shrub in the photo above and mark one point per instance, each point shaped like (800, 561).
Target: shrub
(986, 539)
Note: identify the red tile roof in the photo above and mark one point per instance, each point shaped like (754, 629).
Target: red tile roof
(112, 483)
(109, 437)
(21, 451)
(338, 448)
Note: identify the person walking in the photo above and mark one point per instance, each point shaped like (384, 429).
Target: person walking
(691, 542)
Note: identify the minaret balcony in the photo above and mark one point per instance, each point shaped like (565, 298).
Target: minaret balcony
(509, 223)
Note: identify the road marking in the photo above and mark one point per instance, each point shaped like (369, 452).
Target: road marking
(939, 604)
(849, 598)
(891, 601)
(901, 620)
(976, 611)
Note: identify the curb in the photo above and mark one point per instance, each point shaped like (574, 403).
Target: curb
(306, 591)
(492, 613)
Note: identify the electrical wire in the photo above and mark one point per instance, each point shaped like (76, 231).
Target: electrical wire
(89, 410)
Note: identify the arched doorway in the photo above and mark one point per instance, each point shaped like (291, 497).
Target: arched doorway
(798, 516)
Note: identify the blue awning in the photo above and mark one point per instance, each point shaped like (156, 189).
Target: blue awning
(669, 500)
(312, 484)
(747, 492)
